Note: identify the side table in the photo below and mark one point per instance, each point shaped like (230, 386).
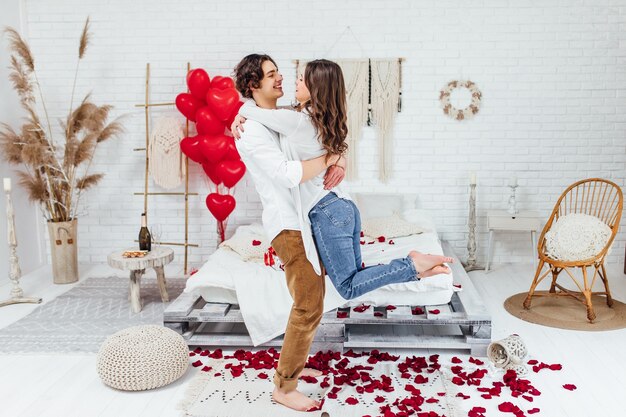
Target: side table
(157, 258)
(525, 221)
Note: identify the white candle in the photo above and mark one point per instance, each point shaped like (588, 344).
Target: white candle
(472, 178)
(7, 184)
(513, 181)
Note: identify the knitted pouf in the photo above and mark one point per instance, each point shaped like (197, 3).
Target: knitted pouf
(142, 357)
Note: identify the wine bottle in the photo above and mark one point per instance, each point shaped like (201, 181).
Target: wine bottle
(145, 240)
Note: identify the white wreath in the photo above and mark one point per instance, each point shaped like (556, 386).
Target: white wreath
(469, 111)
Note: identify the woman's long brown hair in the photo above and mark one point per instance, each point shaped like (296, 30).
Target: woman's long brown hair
(327, 106)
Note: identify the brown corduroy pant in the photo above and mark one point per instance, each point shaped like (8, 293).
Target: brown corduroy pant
(307, 290)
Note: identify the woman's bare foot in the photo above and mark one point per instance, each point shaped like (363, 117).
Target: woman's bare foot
(436, 270)
(311, 372)
(424, 262)
(294, 399)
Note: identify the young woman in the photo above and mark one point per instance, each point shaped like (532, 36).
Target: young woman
(329, 219)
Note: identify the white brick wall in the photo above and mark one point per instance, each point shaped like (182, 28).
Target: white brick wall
(552, 73)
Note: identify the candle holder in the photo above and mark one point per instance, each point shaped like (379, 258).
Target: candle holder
(512, 203)
(17, 295)
(470, 265)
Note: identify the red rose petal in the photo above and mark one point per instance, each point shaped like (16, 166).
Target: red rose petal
(532, 362)
(378, 314)
(533, 410)
(352, 401)
(506, 407)
(556, 367)
(457, 285)
(391, 242)
(379, 399)
(218, 374)
(361, 308)
(362, 234)
(381, 238)
(456, 360)
(342, 314)
(197, 363)
(263, 375)
(570, 387)
(256, 242)
(435, 311)
(417, 311)
(390, 307)
(206, 368)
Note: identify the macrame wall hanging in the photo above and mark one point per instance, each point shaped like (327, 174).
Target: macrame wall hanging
(373, 92)
(166, 160)
(385, 99)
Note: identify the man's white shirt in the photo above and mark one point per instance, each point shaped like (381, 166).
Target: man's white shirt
(273, 176)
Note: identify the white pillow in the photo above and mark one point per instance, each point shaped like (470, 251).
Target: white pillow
(383, 204)
(576, 236)
(390, 227)
(250, 242)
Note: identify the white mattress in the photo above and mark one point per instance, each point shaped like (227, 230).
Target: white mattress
(264, 300)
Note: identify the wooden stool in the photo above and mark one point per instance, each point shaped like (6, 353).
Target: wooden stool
(157, 258)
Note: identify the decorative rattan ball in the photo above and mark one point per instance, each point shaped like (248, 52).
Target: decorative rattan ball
(142, 357)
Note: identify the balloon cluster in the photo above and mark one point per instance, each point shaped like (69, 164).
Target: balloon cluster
(213, 104)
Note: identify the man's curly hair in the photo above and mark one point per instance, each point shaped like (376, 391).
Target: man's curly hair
(248, 73)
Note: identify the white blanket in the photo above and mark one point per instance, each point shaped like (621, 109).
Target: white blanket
(265, 301)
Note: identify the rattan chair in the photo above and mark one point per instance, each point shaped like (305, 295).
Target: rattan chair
(596, 197)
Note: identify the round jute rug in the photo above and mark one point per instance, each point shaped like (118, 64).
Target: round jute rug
(568, 313)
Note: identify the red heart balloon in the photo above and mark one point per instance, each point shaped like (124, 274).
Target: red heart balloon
(231, 118)
(211, 171)
(222, 83)
(188, 105)
(222, 102)
(207, 123)
(214, 148)
(231, 172)
(198, 82)
(191, 146)
(233, 153)
(220, 205)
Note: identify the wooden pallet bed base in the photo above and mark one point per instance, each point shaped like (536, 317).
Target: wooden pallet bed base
(463, 323)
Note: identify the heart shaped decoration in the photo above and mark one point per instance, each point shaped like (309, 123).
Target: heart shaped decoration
(207, 122)
(191, 147)
(222, 83)
(222, 102)
(220, 205)
(231, 172)
(233, 153)
(198, 82)
(214, 148)
(188, 105)
(211, 171)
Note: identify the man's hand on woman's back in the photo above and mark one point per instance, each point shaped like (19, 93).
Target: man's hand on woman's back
(237, 127)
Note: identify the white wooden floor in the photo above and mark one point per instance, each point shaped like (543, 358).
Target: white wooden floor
(67, 385)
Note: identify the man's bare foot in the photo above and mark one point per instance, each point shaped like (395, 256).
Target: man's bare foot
(311, 372)
(294, 400)
(424, 262)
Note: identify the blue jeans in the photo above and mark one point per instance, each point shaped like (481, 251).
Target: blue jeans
(336, 225)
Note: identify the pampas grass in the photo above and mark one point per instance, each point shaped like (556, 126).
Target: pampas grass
(55, 176)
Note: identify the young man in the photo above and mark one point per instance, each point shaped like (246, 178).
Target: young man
(257, 77)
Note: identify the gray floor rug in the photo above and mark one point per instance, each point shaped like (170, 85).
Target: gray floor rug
(81, 319)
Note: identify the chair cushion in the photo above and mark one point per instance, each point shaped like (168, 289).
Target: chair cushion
(576, 236)
(142, 357)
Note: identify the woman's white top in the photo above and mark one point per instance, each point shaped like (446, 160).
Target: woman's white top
(299, 142)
